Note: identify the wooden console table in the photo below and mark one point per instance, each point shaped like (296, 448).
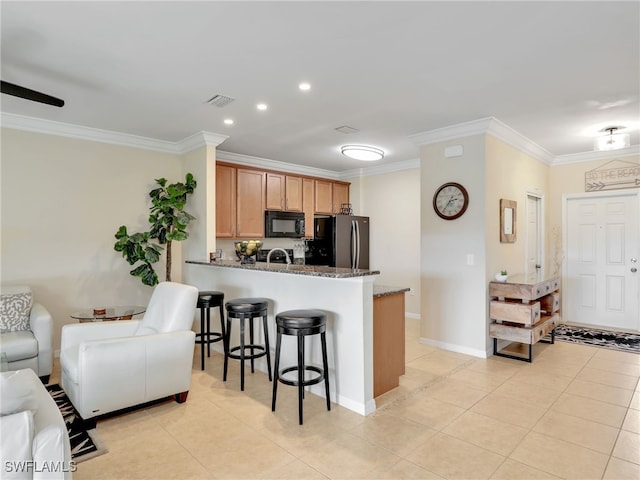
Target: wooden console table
(524, 309)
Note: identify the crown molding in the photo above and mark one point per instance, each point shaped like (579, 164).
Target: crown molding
(488, 125)
(381, 169)
(452, 132)
(200, 139)
(631, 151)
(49, 127)
(269, 164)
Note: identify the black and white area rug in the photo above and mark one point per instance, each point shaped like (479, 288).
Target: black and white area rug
(625, 342)
(85, 444)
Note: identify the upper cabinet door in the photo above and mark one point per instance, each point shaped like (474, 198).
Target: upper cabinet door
(308, 205)
(275, 198)
(340, 195)
(324, 197)
(293, 197)
(225, 201)
(250, 203)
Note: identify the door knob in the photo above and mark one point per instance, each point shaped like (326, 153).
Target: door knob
(634, 270)
(634, 260)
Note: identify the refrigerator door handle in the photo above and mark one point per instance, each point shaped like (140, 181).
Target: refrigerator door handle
(358, 245)
(353, 244)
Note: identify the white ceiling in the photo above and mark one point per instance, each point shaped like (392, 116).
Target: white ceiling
(556, 72)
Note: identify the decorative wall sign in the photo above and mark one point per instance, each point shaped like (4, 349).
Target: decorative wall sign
(612, 175)
(508, 211)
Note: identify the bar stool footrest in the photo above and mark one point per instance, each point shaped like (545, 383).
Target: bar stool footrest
(305, 383)
(261, 352)
(217, 336)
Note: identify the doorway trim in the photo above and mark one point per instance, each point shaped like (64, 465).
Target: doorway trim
(542, 244)
(627, 192)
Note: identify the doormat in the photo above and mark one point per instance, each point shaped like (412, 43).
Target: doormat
(622, 341)
(85, 444)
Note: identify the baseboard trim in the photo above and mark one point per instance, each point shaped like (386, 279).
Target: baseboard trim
(474, 352)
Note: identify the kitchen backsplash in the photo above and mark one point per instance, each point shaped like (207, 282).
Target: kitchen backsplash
(228, 248)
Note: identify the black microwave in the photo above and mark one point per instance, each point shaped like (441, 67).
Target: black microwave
(283, 224)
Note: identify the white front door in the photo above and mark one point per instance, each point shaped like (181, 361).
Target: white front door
(601, 280)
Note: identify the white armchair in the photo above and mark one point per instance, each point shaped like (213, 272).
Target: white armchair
(26, 344)
(34, 443)
(108, 366)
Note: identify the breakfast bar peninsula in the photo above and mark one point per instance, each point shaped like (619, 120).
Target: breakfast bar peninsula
(344, 294)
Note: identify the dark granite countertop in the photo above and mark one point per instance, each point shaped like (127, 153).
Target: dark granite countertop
(310, 270)
(382, 290)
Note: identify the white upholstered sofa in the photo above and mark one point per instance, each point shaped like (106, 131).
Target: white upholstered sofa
(34, 443)
(108, 366)
(26, 331)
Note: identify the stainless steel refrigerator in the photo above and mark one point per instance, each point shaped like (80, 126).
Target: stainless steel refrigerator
(341, 241)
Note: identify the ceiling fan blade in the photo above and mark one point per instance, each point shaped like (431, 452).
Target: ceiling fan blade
(26, 93)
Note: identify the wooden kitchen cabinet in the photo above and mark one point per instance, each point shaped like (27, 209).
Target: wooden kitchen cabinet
(330, 196)
(225, 201)
(250, 201)
(244, 193)
(324, 196)
(308, 206)
(275, 191)
(239, 202)
(293, 197)
(388, 338)
(340, 195)
(524, 310)
(284, 192)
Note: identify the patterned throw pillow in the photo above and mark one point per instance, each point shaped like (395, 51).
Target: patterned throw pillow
(15, 307)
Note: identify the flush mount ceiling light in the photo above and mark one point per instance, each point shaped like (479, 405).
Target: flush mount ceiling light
(611, 140)
(362, 152)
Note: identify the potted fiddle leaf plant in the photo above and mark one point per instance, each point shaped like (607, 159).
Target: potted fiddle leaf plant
(168, 223)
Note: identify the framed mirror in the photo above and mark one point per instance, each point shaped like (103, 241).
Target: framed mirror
(508, 216)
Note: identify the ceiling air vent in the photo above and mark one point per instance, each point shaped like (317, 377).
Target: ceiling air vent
(220, 100)
(347, 129)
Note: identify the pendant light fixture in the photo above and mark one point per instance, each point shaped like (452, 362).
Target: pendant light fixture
(611, 140)
(362, 152)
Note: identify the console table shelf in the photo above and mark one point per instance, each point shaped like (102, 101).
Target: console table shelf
(525, 309)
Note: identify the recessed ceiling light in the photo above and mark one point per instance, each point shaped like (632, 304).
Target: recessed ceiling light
(362, 152)
(304, 86)
(228, 121)
(261, 106)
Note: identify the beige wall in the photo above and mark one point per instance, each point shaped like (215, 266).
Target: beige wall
(62, 202)
(392, 200)
(510, 175)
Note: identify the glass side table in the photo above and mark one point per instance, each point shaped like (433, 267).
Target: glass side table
(108, 313)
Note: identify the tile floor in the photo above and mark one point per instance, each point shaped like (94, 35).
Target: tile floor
(573, 413)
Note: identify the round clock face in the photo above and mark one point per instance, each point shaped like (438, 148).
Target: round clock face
(450, 201)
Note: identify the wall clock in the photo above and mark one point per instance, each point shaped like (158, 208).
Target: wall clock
(450, 201)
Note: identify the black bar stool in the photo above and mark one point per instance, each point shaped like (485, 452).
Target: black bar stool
(301, 323)
(243, 309)
(206, 301)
